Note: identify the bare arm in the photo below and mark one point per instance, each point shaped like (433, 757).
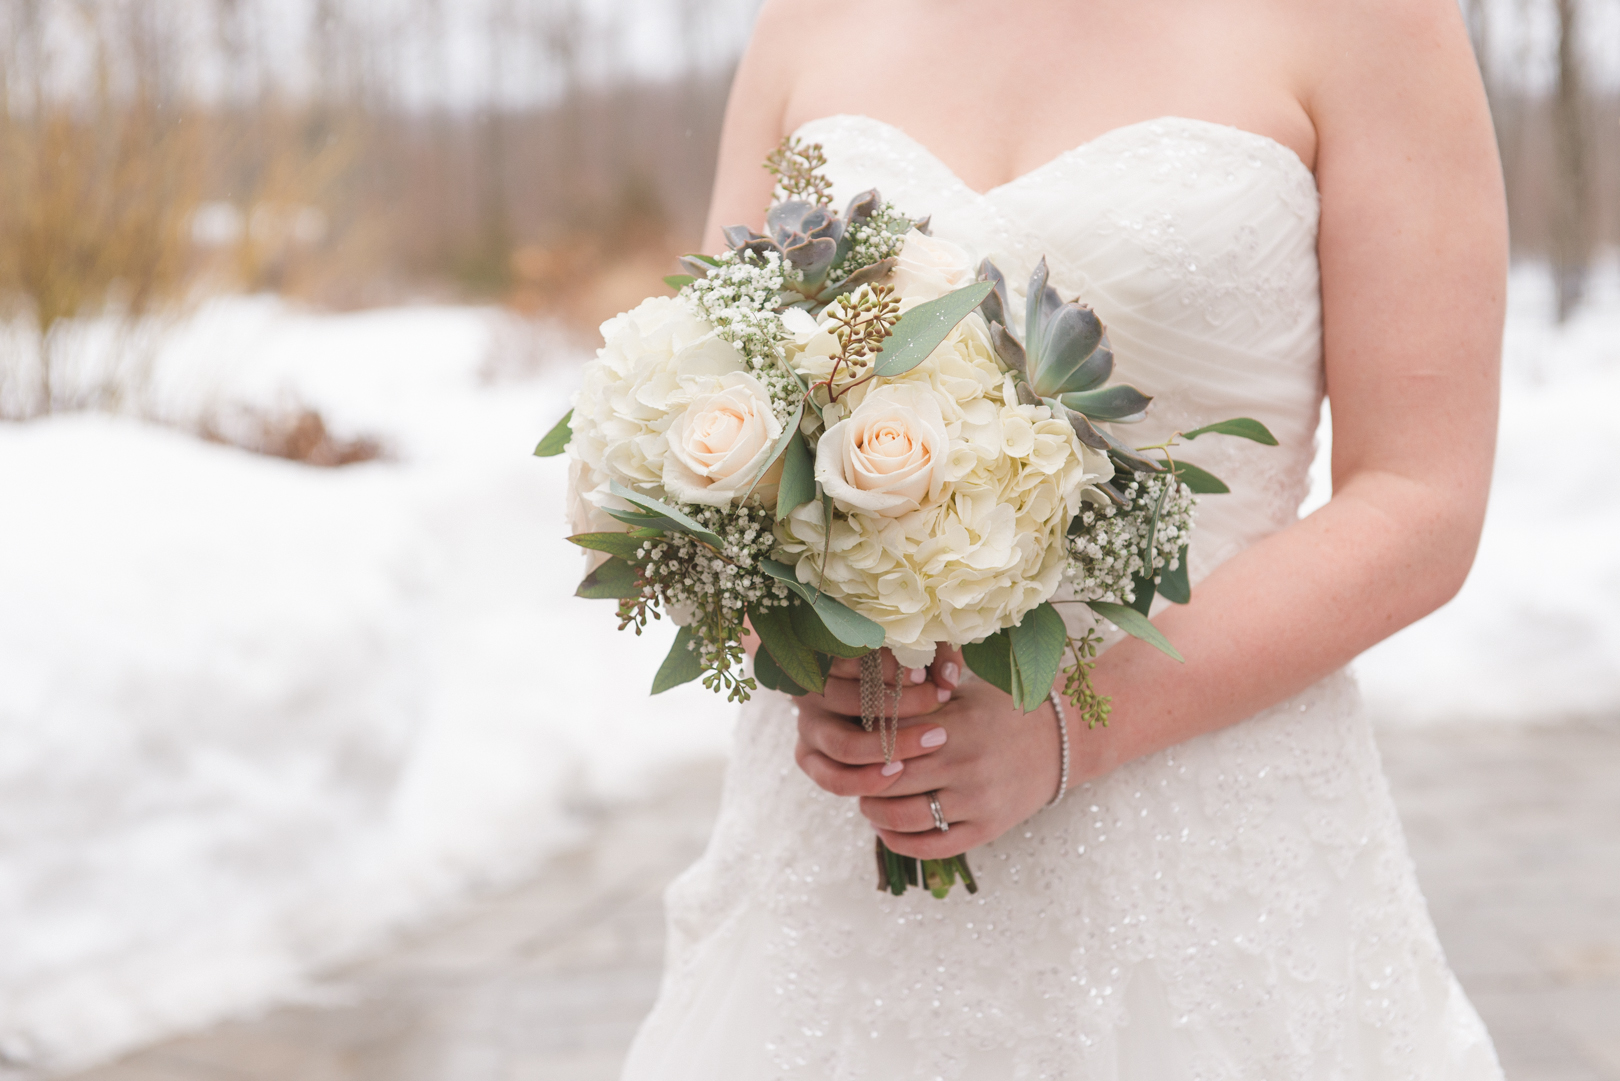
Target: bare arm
(1413, 249)
(1413, 258)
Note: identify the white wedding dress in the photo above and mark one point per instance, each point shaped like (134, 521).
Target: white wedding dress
(1241, 906)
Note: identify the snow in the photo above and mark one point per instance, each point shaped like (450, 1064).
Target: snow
(255, 717)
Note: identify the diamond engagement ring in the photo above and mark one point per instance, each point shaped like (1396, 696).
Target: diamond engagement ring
(939, 816)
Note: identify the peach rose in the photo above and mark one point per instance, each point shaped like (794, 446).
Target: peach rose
(888, 457)
(720, 442)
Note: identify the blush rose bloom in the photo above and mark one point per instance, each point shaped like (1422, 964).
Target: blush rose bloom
(928, 267)
(888, 457)
(720, 442)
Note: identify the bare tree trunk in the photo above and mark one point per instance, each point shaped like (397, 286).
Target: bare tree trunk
(1571, 233)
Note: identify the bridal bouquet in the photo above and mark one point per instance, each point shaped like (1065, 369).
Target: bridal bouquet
(844, 435)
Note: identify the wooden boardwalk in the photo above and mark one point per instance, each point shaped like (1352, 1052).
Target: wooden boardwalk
(1516, 835)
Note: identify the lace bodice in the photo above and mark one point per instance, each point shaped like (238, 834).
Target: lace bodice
(1238, 907)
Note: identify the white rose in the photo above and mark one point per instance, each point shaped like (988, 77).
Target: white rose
(889, 456)
(655, 359)
(721, 441)
(928, 267)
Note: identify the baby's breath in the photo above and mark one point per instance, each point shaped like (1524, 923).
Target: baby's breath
(739, 297)
(716, 587)
(1107, 550)
(873, 240)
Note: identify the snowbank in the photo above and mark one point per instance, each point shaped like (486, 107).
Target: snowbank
(254, 715)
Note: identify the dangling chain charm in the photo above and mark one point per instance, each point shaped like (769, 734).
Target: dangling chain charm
(874, 706)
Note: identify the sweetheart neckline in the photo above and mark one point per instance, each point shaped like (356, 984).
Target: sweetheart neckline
(1290, 157)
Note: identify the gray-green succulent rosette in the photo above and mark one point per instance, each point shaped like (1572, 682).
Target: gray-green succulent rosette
(844, 435)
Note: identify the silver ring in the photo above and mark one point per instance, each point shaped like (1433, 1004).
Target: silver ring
(939, 816)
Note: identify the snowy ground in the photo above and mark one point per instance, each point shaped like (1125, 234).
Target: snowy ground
(254, 715)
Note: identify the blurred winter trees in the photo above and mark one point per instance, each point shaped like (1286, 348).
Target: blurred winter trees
(550, 153)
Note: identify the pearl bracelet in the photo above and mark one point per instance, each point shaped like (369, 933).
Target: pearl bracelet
(1063, 741)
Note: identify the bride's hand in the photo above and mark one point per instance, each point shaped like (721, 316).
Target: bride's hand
(833, 750)
(998, 768)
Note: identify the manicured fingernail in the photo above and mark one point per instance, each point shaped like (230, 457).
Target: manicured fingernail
(951, 673)
(933, 737)
(944, 694)
(918, 675)
(892, 768)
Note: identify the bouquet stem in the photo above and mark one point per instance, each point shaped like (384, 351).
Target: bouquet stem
(897, 873)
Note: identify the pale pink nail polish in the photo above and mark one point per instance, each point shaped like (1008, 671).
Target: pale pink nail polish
(918, 675)
(934, 737)
(892, 768)
(951, 673)
(944, 695)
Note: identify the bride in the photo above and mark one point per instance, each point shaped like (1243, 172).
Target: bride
(1265, 202)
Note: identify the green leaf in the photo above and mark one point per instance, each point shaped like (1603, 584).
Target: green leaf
(1038, 643)
(992, 660)
(1173, 585)
(1144, 589)
(781, 444)
(678, 282)
(814, 633)
(672, 517)
(1200, 481)
(921, 329)
(624, 545)
(612, 580)
(770, 675)
(1136, 625)
(846, 624)
(557, 439)
(706, 259)
(796, 660)
(683, 664)
(1243, 427)
(798, 485)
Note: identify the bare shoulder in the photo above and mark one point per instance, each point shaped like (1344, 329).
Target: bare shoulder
(1395, 63)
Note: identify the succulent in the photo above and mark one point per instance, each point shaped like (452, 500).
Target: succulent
(1063, 358)
(813, 242)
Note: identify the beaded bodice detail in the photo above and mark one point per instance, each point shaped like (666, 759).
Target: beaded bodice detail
(1240, 906)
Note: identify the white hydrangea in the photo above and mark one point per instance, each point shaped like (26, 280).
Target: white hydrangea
(654, 360)
(991, 545)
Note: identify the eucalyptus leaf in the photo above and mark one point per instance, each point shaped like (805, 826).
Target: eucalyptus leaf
(992, 660)
(556, 440)
(1144, 589)
(768, 674)
(623, 545)
(798, 485)
(674, 517)
(682, 665)
(1199, 480)
(1136, 625)
(1173, 585)
(814, 633)
(796, 660)
(789, 429)
(678, 282)
(614, 579)
(846, 624)
(1243, 427)
(1038, 643)
(920, 330)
